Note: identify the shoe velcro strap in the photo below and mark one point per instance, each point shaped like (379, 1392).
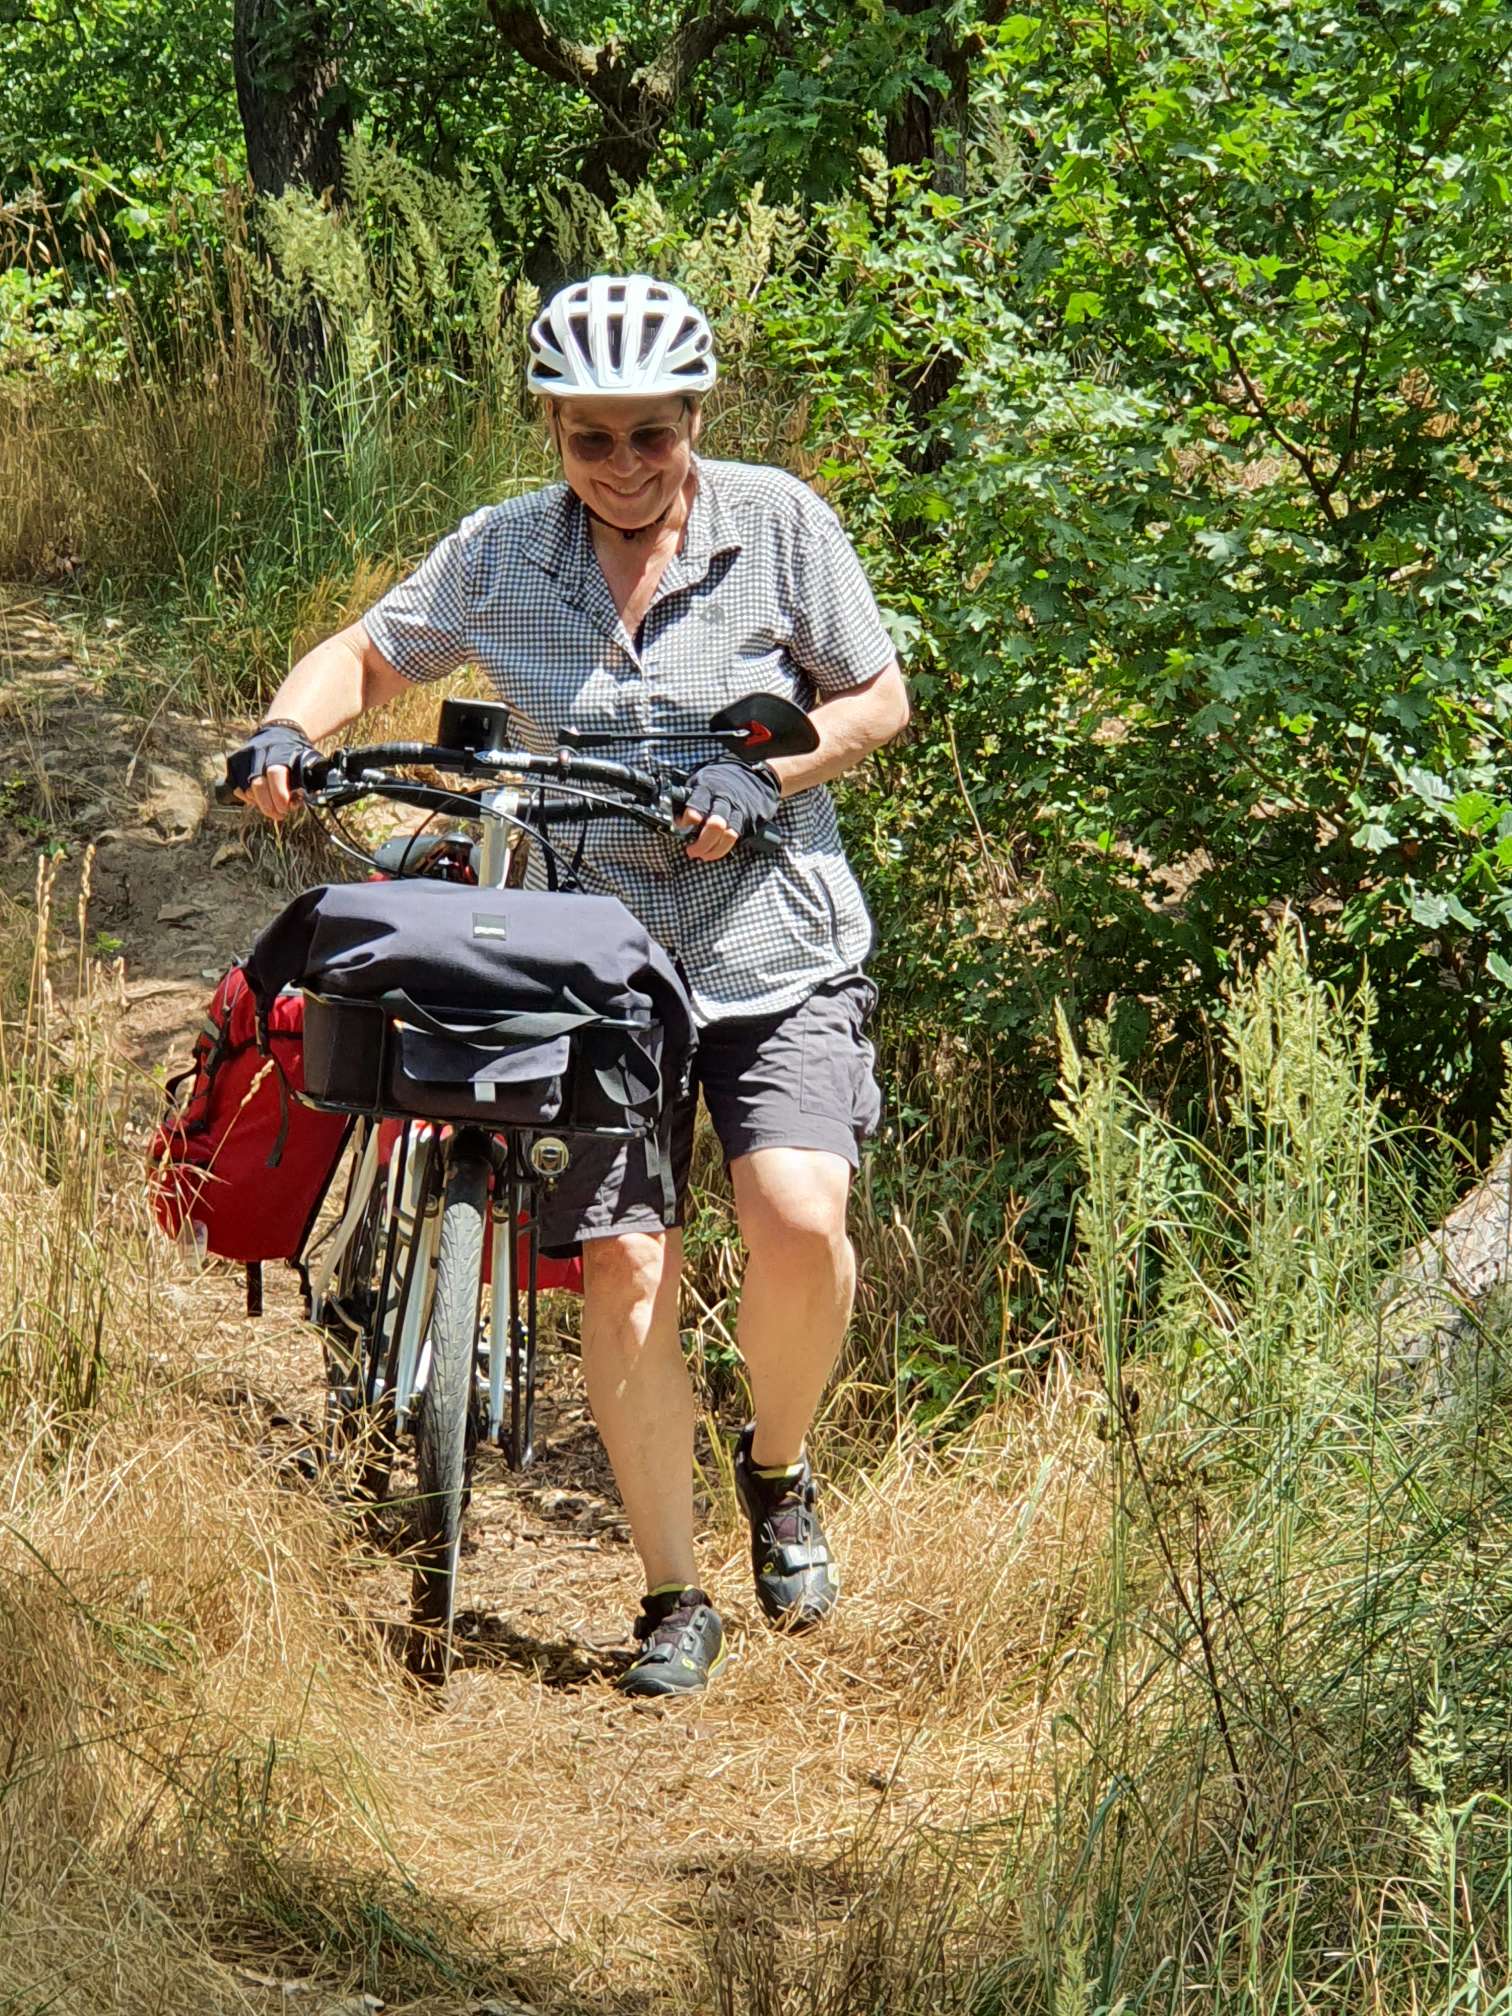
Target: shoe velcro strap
(789, 1559)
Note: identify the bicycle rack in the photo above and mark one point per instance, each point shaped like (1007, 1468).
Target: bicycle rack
(416, 1228)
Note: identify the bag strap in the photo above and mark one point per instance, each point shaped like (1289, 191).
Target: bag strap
(520, 1028)
(658, 1147)
(296, 1259)
(276, 1154)
(170, 1090)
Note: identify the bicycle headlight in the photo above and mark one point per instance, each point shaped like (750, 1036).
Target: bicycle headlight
(549, 1155)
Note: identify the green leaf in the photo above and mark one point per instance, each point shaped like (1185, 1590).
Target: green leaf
(1471, 810)
(1373, 838)
(1429, 910)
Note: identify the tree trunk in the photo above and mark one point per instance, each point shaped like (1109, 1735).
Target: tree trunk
(294, 116)
(928, 129)
(288, 81)
(1440, 1300)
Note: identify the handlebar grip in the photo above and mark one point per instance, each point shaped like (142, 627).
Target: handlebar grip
(764, 842)
(307, 772)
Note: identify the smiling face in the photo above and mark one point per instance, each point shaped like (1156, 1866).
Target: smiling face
(625, 458)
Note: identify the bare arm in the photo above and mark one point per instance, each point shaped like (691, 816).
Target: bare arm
(850, 726)
(331, 685)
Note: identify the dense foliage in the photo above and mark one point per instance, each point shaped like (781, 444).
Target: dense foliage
(1206, 544)
(1158, 360)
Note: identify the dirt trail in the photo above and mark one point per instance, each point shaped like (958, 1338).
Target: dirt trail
(177, 885)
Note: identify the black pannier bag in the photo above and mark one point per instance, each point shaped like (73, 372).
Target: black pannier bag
(496, 1007)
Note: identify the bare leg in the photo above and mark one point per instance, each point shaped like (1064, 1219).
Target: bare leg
(639, 1392)
(796, 1298)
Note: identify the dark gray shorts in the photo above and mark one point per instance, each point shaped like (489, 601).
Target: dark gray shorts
(803, 1078)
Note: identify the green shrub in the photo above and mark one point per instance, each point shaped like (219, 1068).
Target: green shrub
(1198, 555)
(1284, 1784)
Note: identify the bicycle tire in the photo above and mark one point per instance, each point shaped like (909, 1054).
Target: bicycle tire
(445, 1427)
(360, 1413)
(349, 1338)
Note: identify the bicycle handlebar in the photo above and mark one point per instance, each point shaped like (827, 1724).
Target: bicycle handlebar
(349, 774)
(312, 773)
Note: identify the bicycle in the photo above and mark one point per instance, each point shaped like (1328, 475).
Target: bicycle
(413, 1347)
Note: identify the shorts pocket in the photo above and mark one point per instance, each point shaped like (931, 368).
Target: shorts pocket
(838, 1079)
(866, 1112)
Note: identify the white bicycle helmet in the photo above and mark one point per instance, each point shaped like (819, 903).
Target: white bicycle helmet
(620, 337)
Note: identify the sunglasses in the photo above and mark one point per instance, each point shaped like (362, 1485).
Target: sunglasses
(656, 445)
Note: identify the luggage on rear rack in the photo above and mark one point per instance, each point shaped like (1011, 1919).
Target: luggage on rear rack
(499, 1008)
(240, 1158)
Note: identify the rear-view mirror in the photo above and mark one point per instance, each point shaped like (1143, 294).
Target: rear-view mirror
(763, 725)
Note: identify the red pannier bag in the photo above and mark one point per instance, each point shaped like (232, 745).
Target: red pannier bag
(566, 1274)
(239, 1157)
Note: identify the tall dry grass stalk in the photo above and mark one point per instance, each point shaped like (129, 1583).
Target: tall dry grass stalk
(73, 1316)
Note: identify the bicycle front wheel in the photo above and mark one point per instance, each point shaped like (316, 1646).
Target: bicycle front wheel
(445, 1427)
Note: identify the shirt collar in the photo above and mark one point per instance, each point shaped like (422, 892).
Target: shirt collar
(711, 529)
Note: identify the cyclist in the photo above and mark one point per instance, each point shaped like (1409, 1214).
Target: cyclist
(644, 592)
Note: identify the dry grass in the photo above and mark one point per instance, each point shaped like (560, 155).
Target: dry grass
(213, 1770)
(214, 1764)
(1209, 1716)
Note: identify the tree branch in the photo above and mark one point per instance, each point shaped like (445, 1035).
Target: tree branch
(692, 42)
(635, 97)
(595, 72)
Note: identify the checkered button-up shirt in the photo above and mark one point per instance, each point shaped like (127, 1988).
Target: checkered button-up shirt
(766, 595)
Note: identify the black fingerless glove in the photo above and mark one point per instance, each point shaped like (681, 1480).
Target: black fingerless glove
(744, 795)
(274, 747)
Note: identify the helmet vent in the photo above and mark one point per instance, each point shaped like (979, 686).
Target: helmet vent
(620, 334)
